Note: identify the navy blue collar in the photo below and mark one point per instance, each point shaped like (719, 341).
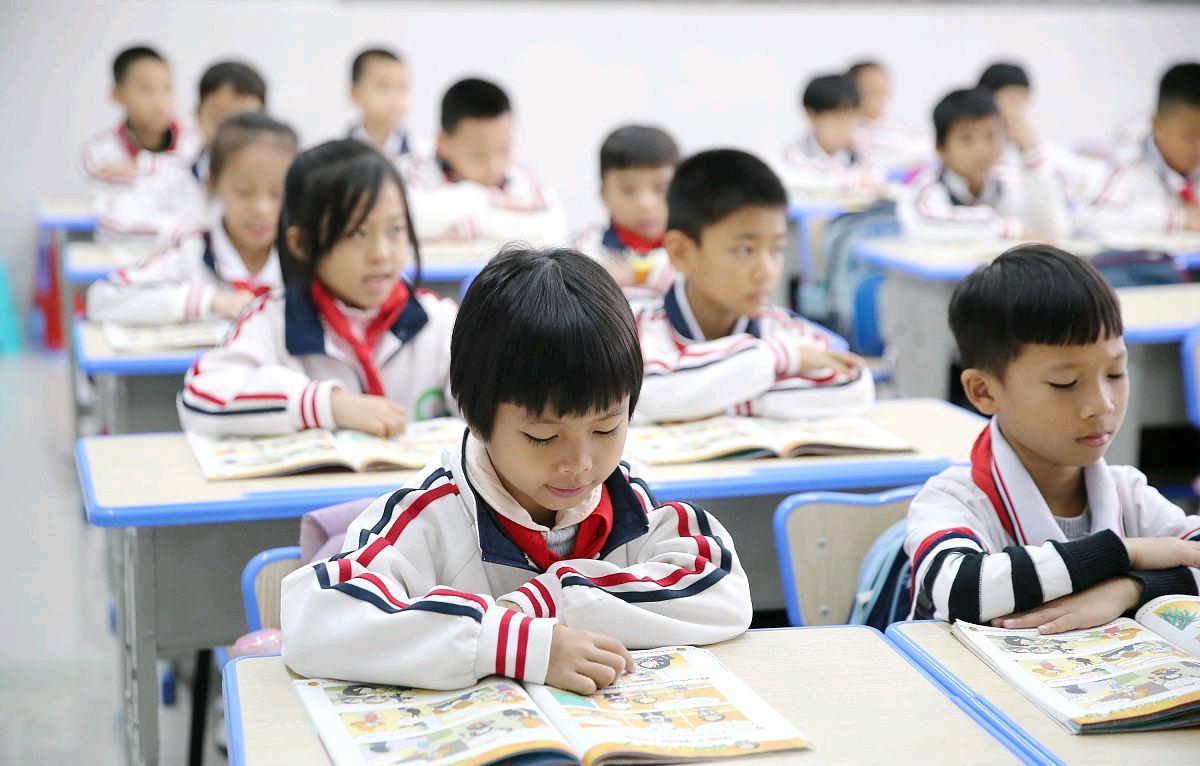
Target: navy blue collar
(210, 260)
(958, 201)
(629, 521)
(673, 302)
(611, 240)
(303, 333)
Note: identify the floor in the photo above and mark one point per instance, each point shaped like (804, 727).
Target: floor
(61, 700)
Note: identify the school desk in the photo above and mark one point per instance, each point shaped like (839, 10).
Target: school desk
(136, 390)
(916, 296)
(810, 212)
(851, 693)
(962, 674)
(184, 540)
(66, 214)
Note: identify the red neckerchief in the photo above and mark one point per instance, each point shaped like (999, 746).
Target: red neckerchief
(635, 241)
(589, 539)
(250, 286)
(981, 473)
(1188, 192)
(389, 311)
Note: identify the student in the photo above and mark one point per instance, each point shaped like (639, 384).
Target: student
(1159, 190)
(350, 343)
(148, 135)
(636, 165)
(530, 551)
(164, 206)
(379, 87)
(1009, 85)
(1039, 532)
(880, 140)
(712, 344)
(969, 193)
(471, 188)
(825, 159)
(217, 272)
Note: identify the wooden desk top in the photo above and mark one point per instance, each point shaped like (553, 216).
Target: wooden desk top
(55, 209)
(845, 688)
(1163, 313)
(97, 357)
(1179, 746)
(165, 476)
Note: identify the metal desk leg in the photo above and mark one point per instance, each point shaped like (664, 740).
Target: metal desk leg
(141, 651)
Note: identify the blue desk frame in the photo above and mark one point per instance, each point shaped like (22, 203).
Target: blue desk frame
(1005, 736)
(133, 365)
(1031, 750)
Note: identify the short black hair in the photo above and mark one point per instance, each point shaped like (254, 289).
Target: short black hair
(543, 329)
(243, 78)
(829, 93)
(959, 106)
(472, 99)
(713, 184)
(240, 130)
(858, 67)
(1001, 74)
(1030, 294)
(1179, 85)
(328, 191)
(637, 146)
(130, 56)
(362, 59)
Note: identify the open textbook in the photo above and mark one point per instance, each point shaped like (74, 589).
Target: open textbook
(1124, 676)
(249, 457)
(164, 337)
(680, 705)
(727, 436)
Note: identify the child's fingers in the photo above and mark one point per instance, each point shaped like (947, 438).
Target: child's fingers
(601, 672)
(1061, 624)
(610, 644)
(613, 660)
(1030, 619)
(580, 684)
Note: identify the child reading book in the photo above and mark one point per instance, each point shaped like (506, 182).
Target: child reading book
(529, 551)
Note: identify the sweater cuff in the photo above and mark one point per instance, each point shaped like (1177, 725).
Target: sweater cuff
(1164, 582)
(198, 303)
(1093, 559)
(313, 406)
(514, 645)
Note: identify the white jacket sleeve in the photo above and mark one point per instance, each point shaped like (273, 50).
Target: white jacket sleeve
(956, 578)
(377, 614)
(687, 586)
(708, 377)
(165, 204)
(155, 293)
(926, 212)
(1043, 209)
(545, 226)
(243, 387)
(452, 211)
(1159, 517)
(1120, 206)
(799, 396)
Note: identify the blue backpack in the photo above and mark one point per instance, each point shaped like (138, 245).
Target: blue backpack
(884, 592)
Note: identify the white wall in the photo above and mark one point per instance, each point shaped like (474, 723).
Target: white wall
(713, 73)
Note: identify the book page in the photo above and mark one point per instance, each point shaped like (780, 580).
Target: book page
(830, 436)
(1175, 618)
(414, 448)
(244, 457)
(698, 440)
(680, 704)
(1100, 678)
(492, 720)
(164, 337)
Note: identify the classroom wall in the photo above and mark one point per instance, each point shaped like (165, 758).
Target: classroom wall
(715, 73)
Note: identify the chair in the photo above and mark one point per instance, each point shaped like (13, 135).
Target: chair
(261, 585)
(1191, 375)
(822, 538)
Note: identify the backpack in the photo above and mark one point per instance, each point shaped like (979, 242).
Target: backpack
(884, 592)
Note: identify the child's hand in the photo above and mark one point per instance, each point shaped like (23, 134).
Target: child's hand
(1191, 221)
(1097, 605)
(813, 359)
(582, 661)
(1162, 553)
(508, 202)
(229, 303)
(509, 605)
(122, 173)
(370, 414)
(1020, 131)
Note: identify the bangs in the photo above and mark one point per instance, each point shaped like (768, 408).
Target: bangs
(351, 193)
(547, 331)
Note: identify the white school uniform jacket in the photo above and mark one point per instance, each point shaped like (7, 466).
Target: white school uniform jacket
(117, 146)
(752, 371)
(412, 599)
(807, 166)
(1015, 202)
(156, 208)
(444, 207)
(279, 364)
(1138, 196)
(399, 143)
(983, 543)
(178, 283)
(654, 268)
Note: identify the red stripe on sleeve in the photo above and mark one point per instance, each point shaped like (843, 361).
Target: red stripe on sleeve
(537, 605)
(398, 526)
(522, 646)
(502, 642)
(550, 610)
(459, 594)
